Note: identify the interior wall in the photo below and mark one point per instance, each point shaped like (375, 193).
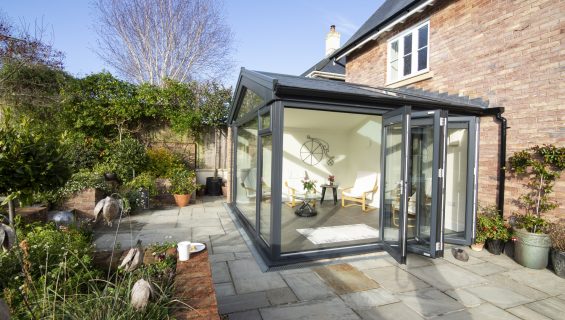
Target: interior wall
(456, 179)
(353, 139)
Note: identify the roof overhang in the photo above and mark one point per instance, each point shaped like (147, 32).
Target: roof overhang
(326, 75)
(373, 35)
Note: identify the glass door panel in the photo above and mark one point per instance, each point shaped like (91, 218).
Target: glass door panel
(265, 202)
(427, 188)
(394, 182)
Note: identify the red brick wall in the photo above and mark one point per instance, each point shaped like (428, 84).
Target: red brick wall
(84, 202)
(510, 53)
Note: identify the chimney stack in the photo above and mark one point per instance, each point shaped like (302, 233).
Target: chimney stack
(332, 41)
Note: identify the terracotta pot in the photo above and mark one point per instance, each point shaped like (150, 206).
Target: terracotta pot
(182, 200)
(477, 246)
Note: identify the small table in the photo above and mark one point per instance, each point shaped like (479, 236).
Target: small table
(305, 209)
(334, 187)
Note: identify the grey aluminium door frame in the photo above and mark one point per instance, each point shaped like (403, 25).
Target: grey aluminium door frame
(472, 124)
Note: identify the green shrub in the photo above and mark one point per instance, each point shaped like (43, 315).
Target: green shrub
(126, 158)
(81, 152)
(162, 162)
(490, 225)
(82, 180)
(146, 181)
(183, 181)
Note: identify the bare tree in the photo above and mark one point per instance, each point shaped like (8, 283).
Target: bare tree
(150, 40)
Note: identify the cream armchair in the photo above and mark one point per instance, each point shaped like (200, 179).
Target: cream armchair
(365, 184)
(294, 190)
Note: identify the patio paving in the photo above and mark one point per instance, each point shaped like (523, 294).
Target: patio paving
(487, 287)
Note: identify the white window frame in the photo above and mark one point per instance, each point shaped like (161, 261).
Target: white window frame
(414, 59)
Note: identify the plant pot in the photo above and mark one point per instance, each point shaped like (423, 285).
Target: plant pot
(182, 200)
(214, 186)
(495, 246)
(478, 246)
(224, 191)
(558, 261)
(531, 249)
(110, 176)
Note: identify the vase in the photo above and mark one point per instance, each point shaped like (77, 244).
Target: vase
(478, 246)
(182, 200)
(558, 261)
(495, 246)
(531, 249)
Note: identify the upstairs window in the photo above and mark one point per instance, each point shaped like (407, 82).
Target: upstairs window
(408, 53)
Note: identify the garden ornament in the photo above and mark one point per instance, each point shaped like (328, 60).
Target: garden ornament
(140, 294)
(110, 208)
(7, 237)
(460, 254)
(134, 258)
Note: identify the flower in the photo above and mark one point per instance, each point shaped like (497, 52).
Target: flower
(331, 178)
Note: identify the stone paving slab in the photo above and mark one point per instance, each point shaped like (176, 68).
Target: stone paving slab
(343, 278)
(246, 315)
(464, 297)
(281, 296)
(483, 312)
(524, 312)
(308, 286)
(430, 302)
(220, 272)
(447, 276)
(369, 299)
(333, 309)
(542, 280)
(484, 268)
(503, 261)
(395, 279)
(247, 277)
(224, 289)
(395, 311)
(503, 281)
(552, 308)
(242, 302)
(500, 297)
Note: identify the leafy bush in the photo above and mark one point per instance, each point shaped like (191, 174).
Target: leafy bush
(126, 158)
(183, 181)
(146, 181)
(557, 235)
(490, 225)
(82, 180)
(162, 162)
(81, 152)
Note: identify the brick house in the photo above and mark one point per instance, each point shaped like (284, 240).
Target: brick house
(417, 112)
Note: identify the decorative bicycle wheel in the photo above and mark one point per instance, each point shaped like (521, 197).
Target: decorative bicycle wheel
(312, 152)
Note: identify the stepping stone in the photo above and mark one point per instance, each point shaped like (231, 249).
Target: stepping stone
(343, 278)
(368, 299)
(393, 311)
(430, 302)
(500, 297)
(552, 308)
(333, 309)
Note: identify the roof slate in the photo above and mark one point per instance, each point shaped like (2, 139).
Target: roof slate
(327, 65)
(387, 11)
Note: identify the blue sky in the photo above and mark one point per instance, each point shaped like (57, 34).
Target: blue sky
(277, 36)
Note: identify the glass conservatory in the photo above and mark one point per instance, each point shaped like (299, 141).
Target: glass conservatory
(324, 168)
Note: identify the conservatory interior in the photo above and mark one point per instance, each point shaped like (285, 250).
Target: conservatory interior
(401, 165)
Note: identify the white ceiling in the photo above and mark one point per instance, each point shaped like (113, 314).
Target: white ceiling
(314, 119)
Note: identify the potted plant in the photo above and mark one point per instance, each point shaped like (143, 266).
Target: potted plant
(497, 233)
(481, 233)
(557, 235)
(331, 180)
(214, 184)
(183, 184)
(146, 186)
(541, 167)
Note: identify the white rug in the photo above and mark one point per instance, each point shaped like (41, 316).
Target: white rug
(349, 232)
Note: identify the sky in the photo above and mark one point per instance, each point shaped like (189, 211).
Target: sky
(276, 36)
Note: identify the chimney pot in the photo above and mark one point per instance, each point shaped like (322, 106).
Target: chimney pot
(333, 41)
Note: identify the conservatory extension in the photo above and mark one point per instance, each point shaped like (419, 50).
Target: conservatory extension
(403, 163)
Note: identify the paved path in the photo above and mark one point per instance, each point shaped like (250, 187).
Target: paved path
(371, 286)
